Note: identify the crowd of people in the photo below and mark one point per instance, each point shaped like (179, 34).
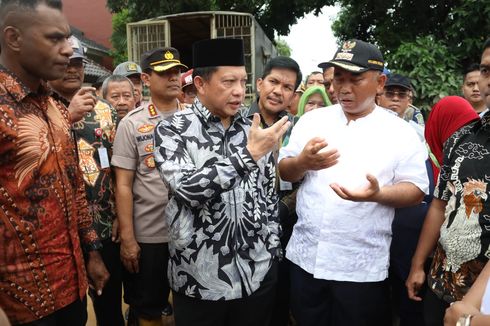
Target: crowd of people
(331, 201)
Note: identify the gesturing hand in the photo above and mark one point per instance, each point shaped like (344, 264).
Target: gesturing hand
(366, 193)
(311, 158)
(262, 141)
(81, 103)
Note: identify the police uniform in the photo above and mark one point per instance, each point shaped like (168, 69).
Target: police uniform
(133, 150)
(147, 291)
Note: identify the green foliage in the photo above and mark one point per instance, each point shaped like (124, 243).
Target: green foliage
(118, 38)
(283, 48)
(431, 67)
(275, 16)
(405, 27)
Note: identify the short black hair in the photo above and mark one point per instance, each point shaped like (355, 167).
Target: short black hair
(9, 6)
(486, 45)
(204, 72)
(470, 68)
(284, 63)
(14, 5)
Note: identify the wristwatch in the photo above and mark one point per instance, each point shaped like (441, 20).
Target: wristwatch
(464, 320)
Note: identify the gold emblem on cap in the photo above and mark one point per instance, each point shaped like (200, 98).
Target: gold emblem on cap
(168, 55)
(348, 45)
(131, 67)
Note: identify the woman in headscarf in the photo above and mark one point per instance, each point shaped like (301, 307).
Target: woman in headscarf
(446, 117)
(314, 97)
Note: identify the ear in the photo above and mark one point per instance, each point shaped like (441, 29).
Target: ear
(145, 78)
(259, 84)
(199, 83)
(12, 38)
(381, 79)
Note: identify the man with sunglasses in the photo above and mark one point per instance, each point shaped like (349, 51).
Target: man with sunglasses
(397, 96)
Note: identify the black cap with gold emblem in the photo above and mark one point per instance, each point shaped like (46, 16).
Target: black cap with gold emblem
(358, 56)
(161, 59)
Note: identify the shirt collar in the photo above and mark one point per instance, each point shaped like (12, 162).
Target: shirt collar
(254, 108)
(16, 88)
(203, 112)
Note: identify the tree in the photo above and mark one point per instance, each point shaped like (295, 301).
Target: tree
(118, 37)
(275, 16)
(283, 48)
(431, 67)
(419, 28)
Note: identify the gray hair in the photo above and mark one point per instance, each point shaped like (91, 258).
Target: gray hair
(115, 79)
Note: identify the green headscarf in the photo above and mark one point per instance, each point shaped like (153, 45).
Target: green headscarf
(306, 95)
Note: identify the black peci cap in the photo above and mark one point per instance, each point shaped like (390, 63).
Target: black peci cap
(218, 52)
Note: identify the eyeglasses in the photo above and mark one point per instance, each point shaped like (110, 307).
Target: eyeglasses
(401, 95)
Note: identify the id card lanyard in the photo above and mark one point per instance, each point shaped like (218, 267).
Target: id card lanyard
(103, 154)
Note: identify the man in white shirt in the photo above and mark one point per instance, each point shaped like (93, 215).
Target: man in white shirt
(354, 173)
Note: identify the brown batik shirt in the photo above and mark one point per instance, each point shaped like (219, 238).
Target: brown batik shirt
(43, 210)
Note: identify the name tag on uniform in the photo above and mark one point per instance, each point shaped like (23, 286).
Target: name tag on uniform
(285, 185)
(104, 158)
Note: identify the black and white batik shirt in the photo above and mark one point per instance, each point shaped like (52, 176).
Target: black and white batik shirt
(222, 210)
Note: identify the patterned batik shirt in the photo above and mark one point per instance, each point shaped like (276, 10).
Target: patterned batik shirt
(222, 210)
(463, 247)
(43, 210)
(94, 135)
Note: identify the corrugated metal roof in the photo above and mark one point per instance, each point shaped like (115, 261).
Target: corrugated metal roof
(93, 71)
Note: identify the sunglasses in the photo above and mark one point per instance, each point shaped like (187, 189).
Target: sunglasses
(401, 95)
